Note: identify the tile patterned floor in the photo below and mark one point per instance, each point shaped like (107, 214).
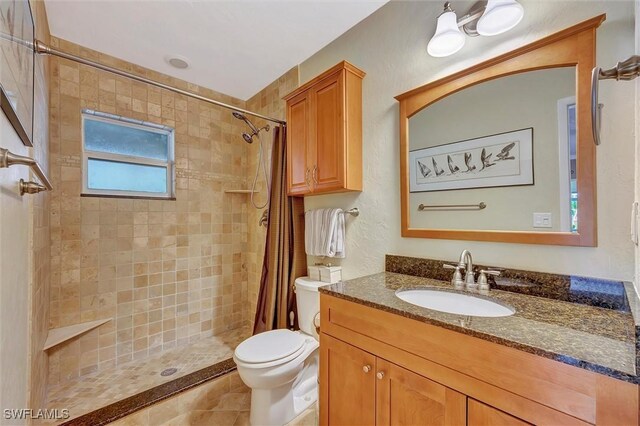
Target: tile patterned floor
(90, 392)
(224, 401)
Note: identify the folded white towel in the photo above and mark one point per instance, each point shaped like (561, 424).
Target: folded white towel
(324, 233)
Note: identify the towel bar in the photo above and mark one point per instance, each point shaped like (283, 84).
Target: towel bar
(7, 159)
(425, 207)
(353, 212)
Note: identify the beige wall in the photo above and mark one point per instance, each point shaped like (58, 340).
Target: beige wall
(390, 45)
(24, 256)
(14, 291)
(637, 144)
(504, 105)
(267, 102)
(166, 273)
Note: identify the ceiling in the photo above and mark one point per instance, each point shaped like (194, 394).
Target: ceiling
(234, 47)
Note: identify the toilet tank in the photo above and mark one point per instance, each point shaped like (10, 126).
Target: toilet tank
(308, 301)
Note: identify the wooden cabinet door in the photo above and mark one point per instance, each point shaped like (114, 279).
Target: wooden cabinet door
(347, 384)
(328, 138)
(406, 398)
(484, 415)
(298, 133)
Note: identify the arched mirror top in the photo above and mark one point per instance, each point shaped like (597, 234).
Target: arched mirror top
(502, 151)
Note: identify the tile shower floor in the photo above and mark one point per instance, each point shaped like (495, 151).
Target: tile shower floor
(88, 393)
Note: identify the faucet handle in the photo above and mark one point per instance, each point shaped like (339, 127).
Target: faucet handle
(456, 280)
(483, 284)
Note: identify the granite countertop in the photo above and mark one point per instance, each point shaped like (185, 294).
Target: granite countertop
(596, 339)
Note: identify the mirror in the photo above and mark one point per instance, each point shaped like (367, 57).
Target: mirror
(503, 151)
(508, 143)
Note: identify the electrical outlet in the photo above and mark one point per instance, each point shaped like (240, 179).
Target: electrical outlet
(542, 220)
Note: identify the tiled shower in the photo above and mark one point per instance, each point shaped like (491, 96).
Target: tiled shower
(167, 273)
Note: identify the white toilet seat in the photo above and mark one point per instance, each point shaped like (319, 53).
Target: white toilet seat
(270, 349)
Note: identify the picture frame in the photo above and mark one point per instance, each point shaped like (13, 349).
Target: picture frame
(17, 59)
(503, 159)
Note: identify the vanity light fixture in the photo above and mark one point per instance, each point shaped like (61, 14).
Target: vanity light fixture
(499, 16)
(487, 18)
(448, 38)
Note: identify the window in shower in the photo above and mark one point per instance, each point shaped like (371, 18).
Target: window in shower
(126, 157)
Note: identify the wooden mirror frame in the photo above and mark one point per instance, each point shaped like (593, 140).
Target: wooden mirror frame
(574, 46)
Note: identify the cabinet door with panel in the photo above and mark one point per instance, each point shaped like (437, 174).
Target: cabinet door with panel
(347, 384)
(328, 154)
(298, 132)
(406, 398)
(324, 118)
(484, 415)
(358, 388)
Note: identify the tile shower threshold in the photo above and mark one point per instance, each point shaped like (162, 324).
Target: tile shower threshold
(124, 407)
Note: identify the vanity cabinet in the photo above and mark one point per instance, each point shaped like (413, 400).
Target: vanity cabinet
(324, 121)
(379, 368)
(406, 398)
(483, 415)
(367, 390)
(352, 374)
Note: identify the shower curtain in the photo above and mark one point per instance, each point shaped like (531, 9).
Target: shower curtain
(284, 256)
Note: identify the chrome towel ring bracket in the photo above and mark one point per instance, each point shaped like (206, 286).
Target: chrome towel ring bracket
(626, 70)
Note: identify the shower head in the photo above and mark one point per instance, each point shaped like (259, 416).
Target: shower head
(248, 137)
(244, 118)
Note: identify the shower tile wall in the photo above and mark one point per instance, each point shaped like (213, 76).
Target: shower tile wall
(165, 272)
(268, 102)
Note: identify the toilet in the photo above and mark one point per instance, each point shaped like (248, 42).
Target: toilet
(281, 366)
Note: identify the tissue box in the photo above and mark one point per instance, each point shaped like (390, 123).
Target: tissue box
(314, 273)
(330, 274)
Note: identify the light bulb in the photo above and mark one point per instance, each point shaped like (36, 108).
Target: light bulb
(448, 38)
(499, 16)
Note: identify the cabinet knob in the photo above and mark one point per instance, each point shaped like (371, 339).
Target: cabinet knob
(366, 368)
(380, 374)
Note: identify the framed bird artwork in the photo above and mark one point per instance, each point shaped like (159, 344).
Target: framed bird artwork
(504, 159)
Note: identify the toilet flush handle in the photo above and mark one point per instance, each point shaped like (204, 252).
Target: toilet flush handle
(316, 322)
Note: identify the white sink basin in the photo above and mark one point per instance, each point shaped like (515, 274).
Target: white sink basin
(454, 303)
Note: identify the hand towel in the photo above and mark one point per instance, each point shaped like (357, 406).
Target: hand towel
(324, 233)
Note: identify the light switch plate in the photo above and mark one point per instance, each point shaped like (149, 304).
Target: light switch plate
(542, 220)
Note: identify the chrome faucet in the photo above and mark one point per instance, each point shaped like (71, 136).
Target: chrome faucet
(466, 262)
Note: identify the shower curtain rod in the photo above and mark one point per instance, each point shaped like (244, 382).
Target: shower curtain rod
(42, 49)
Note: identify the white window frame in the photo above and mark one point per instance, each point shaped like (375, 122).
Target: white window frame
(564, 158)
(88, 114)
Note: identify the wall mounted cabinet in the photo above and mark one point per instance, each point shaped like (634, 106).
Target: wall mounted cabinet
(324, 143)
